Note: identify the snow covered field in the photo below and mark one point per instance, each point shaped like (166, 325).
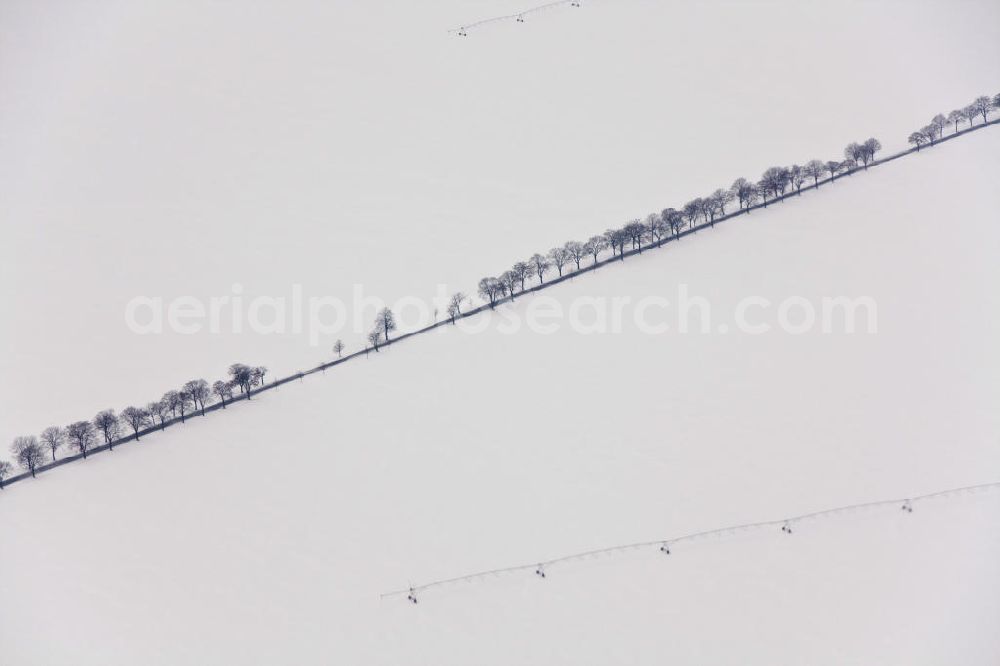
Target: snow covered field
(169, 149)
(265, 534)
(178, 149)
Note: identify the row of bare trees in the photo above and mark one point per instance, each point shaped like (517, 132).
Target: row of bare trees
(656, 228)
(934, 131)
(31, 452)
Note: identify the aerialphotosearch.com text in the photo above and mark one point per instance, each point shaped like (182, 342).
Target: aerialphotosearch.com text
(321, 318)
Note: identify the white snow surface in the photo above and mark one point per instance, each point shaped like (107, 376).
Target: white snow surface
(168, 150)
(265, 534)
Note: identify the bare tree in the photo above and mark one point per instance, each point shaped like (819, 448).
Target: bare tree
(171, 398)
(595, 246)
(623, 237)
(521, 270)
(27, 453)
(338, 348)
(655, 229)
(503, 291)
(674, 220)
(956, 117)
(868, 150)
(158, 410)
(559, 258)
(107, 422)
(814, 169)
(242, 375)
(199, 391)
(575, 251)
(455, 305)
(5, 470)
(852, 153)
(137, 418)
(797, 176)
(53, 438)
(917, 139)
(508, 282)
(763, 189)
(540, 266)
(375, 338)
(983, 105)
(386, 321)
(223, 390)
(782, 179)
(692, 209)
(185, 401)
(707, 208)
(939, 122)
(774, 180)
(489, 290)
(639, 232)
(257, 375)
(80, 436)
(612, 237)
(720, 198)
(833, 168)
(741, 189)
(970, 113)
(633, 232)
(617, 239)
(930, 133)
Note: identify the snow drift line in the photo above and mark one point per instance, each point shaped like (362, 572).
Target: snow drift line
(905, 504)
(570, 274)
